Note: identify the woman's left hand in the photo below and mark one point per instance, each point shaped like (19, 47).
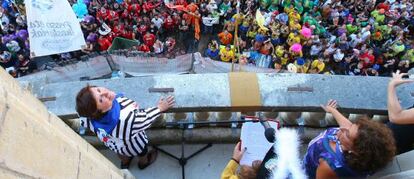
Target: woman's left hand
(238, 152)
(165, 104)
(397, 79)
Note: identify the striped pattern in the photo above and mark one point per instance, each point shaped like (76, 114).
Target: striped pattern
(128, 137)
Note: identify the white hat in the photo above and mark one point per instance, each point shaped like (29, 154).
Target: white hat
(292, 68)
(104, 29)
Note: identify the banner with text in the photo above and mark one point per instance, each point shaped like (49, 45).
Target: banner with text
(53, 27)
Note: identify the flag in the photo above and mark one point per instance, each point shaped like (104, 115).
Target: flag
(53, 27)
(260, 20)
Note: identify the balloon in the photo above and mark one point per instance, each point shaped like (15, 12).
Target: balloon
(89, 19)
(13, 36)
(5, 39)
(22, 34)
(296, 48)
(80, 9)
(92, 37)
(306, 32)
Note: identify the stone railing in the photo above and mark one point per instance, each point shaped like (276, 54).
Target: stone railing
(293, 99)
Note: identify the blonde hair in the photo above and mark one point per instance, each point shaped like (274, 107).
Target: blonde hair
(249, 172)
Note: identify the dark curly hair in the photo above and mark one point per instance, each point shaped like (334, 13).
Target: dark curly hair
(373, 148)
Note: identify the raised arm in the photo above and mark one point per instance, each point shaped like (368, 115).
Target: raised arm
(330, 107)
(396, 114)
(144, 118)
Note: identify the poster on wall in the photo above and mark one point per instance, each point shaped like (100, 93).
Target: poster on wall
(53, 27)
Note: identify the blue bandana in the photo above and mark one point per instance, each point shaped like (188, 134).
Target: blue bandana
(111, 118)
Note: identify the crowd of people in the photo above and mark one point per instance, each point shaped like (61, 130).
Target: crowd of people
(14, 46)
(353, 37)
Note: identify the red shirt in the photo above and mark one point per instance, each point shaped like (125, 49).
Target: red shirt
(148, 6)
(142, 29)
(149, 39)
(118, 30)
(102, 15)
(113, 16)
(370, 57)
(169, 23)
(134, 9)
(383, 6)
(126, 15)
(144, 48)
(104, 44)
(127, 35)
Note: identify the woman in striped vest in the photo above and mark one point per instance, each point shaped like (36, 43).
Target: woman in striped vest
(119, 123)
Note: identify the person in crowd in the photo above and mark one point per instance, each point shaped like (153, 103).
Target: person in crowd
(401, 120)
(245, 172)
(227, 54)
(213, 50)
(119, 123)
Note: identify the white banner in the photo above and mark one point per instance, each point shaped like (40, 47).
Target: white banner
(53, 27)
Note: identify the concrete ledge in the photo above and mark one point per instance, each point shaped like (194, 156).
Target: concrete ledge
(210, 92)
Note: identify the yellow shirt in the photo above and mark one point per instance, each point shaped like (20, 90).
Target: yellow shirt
(226, 56)
(284, 60)
(292, 16)
(280, 51)
(289, 10)
(316, 65)
(292, 39)
(230, 171)
(294, 25)
(302, 68)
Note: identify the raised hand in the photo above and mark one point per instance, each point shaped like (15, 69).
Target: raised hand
(330, 106)
(238, 152)
(398, 80)
(165, 104)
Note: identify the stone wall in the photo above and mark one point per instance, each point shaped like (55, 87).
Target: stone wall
(36, 144)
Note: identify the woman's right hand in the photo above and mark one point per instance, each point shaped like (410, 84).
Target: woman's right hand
(398, 80)
(330, 106)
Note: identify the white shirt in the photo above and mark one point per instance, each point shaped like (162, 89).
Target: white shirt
(210, 21)
(158, 22)
(355, 40)
(315, 49)
(365, 34)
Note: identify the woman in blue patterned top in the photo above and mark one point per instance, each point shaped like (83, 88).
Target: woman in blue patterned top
(353, 150)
